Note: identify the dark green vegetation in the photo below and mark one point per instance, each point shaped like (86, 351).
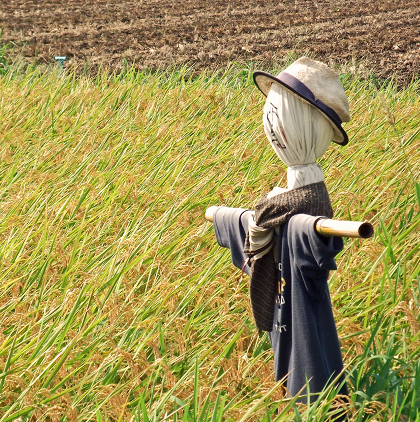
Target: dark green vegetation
(117, 304)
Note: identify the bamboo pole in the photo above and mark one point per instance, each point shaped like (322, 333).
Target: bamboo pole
(328, 227)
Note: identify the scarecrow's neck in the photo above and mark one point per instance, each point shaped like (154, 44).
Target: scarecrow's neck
(298, 176)
(301, 175)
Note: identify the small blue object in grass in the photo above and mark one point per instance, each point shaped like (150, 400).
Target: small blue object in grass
(60, 60)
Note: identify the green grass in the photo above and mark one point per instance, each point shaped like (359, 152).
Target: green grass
(116, 302)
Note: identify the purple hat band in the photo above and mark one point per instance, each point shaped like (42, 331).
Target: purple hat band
(300, 89)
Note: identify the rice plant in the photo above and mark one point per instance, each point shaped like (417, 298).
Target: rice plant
(116, 302)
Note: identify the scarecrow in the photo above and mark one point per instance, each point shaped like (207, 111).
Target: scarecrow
(279, 244)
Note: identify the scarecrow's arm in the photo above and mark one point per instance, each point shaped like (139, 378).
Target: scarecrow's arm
(328, 227)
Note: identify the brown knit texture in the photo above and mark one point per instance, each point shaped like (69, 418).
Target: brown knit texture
(311, 199)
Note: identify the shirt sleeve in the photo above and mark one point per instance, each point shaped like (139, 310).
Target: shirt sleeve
(231, 227)
(313, 254)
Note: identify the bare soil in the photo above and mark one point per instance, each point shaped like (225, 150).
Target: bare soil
(380, 36)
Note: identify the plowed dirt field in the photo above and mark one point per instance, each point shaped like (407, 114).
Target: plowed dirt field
(383, 36)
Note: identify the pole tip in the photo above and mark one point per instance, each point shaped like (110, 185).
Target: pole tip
(210, 212)
(366, 230)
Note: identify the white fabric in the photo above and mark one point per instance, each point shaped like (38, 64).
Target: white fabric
(276, 190)
(304, 175)
(299, 134)
(258, 237)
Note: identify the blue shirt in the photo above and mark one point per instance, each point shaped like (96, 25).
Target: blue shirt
(304, 336)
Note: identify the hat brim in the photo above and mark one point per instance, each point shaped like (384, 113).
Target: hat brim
(264, 80)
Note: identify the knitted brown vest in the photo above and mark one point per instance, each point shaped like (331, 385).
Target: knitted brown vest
(311, 199)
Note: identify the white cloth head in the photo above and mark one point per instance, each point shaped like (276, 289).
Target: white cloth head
(299, 134)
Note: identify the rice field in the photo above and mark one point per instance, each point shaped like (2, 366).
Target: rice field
(117, 304)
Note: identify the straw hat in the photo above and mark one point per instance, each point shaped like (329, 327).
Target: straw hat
(317, 84)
